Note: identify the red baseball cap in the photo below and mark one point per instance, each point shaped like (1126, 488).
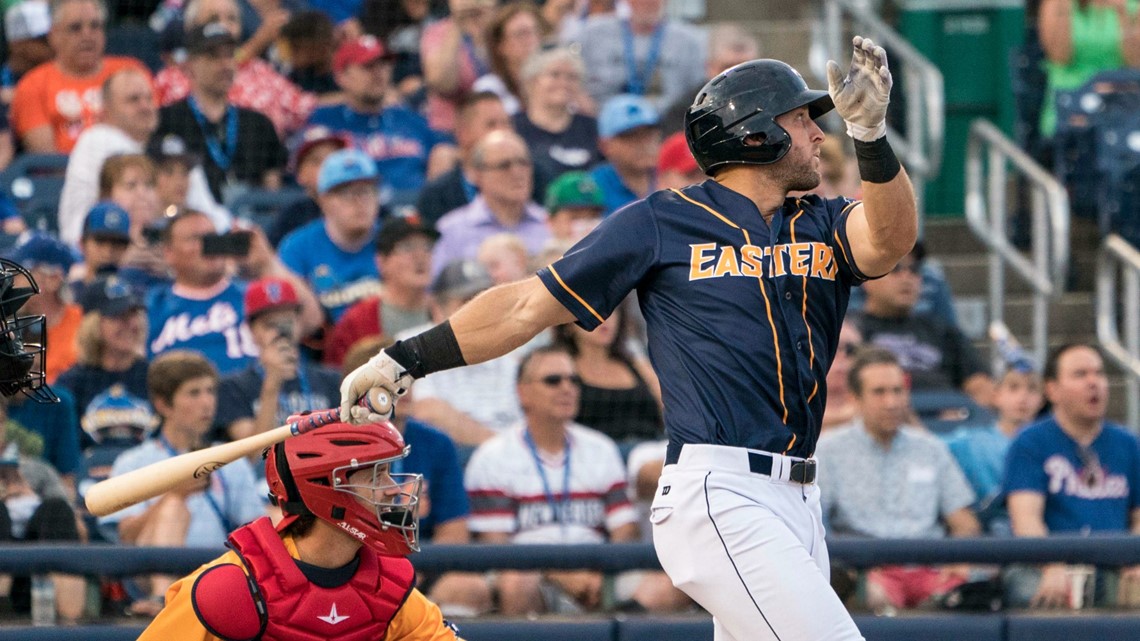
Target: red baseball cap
(360, 51)
(675, 155)
(268, 294)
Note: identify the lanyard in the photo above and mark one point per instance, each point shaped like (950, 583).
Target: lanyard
(560, 508)
(481, 68)
(226, 525)
(638, 79)
(223, 158)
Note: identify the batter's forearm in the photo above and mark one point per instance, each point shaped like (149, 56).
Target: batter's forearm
(504, 318)
(892, 215)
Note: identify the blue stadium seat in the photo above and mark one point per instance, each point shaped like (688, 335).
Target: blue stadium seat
(34, 182)
(260, 206)
(944, 411)
(1072, 628)
(135, 40)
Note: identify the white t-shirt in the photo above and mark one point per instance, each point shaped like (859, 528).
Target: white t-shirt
(508, 494)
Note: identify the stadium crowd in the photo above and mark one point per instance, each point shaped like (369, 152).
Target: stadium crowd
(291, 186)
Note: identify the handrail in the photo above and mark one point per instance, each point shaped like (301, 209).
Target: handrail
(921, 148)
(1118, 256)
(986, 216)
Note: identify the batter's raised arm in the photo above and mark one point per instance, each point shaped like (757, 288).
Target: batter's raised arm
(493, 324)
(883, 229)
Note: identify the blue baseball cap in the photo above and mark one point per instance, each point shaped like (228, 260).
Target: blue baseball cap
(624, 113)
(108, 221)
(44, 250)
(346, 166)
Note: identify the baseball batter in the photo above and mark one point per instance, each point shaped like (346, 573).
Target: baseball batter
(743, 291)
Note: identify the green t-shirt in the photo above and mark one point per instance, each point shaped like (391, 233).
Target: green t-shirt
(1096, 48)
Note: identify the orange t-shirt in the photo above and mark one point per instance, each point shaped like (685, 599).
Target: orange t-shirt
(47, 96)
(61, 337)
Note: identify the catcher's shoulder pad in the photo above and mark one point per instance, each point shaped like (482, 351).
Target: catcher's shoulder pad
(228, 603)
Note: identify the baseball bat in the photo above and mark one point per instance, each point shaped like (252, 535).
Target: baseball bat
(122, 491)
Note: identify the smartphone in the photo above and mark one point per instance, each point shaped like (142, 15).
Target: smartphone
(234, 243)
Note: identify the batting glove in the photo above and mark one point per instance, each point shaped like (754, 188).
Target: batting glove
(861, 98)
(386, 379)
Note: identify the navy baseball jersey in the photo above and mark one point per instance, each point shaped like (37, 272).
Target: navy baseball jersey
(743, 316)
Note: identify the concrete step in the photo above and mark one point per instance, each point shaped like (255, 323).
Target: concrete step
(969, 275)
(944, 236)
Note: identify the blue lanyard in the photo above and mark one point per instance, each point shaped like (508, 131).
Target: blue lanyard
(223, 158)
(561, 507)
(226, 525)
(481, 68)
(638, 79)
(7, 78)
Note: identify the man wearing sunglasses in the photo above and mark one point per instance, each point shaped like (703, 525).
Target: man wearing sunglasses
(548, 480)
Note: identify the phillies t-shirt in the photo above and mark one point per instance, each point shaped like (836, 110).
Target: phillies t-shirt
(1090, 490)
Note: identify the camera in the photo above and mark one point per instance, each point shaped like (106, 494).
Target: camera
(234, 243)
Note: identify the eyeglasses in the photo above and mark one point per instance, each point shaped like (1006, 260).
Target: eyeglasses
(76, 27)
(522, 163)
(850, 348)
(554, 380)
(913, 268)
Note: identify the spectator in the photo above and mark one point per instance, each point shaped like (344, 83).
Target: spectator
(106, 237)
(400, 28)
(676, 167)
(256, 84)
(881, 478)
(49, 260)
(173, 167)
(620, 394)
(306, 46)
(238, 146)
(333, 254)
(630, 138)
(454, 54)
(556, 131)
(935, 354)
(575, 204)
(1081, 39)
(57, 100)
(281, 382)
(1073, 472)
(505, 258)
(34, 508)
(128, 120)
(934, 297)
(729, 45)
(568, 17)
(309, 148)
(183, 390)
(469, 404)
(58, 426)
(403, 256)
(981, 451)
(202, 309)
(26, 28)
(513, 36)
(479, 114)
(112, 344)
(406, 150)
(128, 180)
(502, 172)
(841, 408)
(646, 54)
(512, 482)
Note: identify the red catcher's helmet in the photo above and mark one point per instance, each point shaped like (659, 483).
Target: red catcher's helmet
(309, 474)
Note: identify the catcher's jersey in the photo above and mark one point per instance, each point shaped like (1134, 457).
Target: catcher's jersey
(743, 317)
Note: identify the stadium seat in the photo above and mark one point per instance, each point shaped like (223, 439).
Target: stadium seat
(135, 40)
(944, 411)
(1072, 628)
(260, 206)
(947, 627)
(34, 182)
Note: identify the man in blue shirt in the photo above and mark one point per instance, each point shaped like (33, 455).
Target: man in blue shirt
(334, 253)
(629, 135)
(406, 150)
(1072, 472)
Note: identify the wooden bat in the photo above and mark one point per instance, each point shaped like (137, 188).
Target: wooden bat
(119, 492)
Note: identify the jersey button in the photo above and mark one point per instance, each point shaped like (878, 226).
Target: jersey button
(800, 345)
(787, 296)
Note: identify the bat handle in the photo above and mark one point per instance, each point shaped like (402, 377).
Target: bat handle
(309, 421)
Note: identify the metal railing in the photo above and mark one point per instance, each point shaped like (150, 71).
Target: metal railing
(921, 148)
(1119, 258)
(989, 150)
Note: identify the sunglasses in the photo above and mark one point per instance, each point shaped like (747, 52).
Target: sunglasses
(554, 380)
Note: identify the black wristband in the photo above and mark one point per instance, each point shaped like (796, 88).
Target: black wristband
(877, 161)
(432, 351)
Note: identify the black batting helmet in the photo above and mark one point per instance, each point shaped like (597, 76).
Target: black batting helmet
(744, 101)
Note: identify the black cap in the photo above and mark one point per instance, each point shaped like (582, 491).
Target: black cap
(110, 296)
(206, 38)
(399, 228)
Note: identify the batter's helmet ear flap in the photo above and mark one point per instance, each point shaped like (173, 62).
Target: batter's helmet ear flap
(743, 102)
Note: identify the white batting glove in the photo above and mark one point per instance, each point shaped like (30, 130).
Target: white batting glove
(861, 98)
(382, 380)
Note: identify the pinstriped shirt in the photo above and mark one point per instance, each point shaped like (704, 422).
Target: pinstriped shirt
(742, 315)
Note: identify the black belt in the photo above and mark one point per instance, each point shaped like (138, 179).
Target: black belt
(760, 463)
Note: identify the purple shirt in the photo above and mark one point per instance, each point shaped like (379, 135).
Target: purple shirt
(462, 230)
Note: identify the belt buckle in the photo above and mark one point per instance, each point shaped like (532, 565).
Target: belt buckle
(803, 472)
